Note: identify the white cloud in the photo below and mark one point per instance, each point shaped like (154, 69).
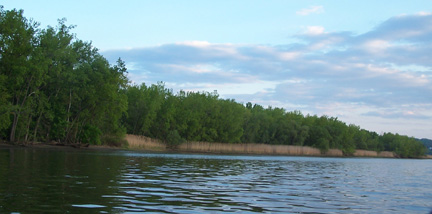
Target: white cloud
(424, 13)
(314, 30)
(310, 10)
(376, 45)
(200, 44)
(288, 55)
(377, 75)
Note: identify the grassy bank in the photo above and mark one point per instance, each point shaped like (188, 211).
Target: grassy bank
(149, 144)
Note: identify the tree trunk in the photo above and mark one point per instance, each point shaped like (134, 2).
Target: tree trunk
(28, 128)
(13, 129)
(17, 114)
(37, 126)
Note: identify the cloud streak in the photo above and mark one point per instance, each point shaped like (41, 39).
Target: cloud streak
(385, 73)
(310, 10)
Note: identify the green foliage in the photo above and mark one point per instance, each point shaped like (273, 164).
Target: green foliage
(56, 87)
(427, 143)
(174, 139)
(90, 134)
(322, 144)
(403, 146)
(4, 106)
(201, 116)
(114, 140)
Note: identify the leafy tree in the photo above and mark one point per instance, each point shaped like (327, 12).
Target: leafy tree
(17, 43)
(55, 86)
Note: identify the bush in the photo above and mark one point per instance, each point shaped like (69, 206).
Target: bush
(91, 134)
(114, 140)
(323, 145)
(174, 139)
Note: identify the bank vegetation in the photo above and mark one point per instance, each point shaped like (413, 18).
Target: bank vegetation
(142, 143)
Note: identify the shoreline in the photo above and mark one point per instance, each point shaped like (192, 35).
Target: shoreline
(4, 145)
(142, 143)
(146, 144)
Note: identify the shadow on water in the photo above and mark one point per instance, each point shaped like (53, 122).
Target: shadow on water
(42, 181)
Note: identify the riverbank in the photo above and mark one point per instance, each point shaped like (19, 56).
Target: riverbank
(5, 145)
(149, 144)
(146, 144)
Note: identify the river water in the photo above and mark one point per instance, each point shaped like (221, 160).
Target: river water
(83, 181)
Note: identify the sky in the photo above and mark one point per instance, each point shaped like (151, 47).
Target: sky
(365, 62)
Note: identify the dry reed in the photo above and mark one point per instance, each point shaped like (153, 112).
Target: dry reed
(367, 153)
(334, 153)
(386, 154)
(263, 149)
(149, 144)
(145, 143)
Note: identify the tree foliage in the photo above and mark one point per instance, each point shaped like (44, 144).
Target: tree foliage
(55, 86)
(156, 112)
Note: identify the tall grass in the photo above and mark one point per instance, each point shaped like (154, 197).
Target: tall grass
(367, 153)
(150, 144)
(386, 154)
(249, 149)
(145, 143)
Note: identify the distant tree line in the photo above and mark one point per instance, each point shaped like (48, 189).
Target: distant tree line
(55, 87)
(155, 111)
(428, 144)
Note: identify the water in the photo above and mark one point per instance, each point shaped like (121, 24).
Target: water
(82, 181)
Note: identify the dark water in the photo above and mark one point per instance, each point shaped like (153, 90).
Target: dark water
(44, 181)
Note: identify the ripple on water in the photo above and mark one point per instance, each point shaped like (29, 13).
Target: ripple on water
(91, 206)
(160, 183)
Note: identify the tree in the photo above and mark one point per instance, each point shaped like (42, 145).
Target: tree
(21, 80)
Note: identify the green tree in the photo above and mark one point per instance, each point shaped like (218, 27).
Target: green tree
(17, 41)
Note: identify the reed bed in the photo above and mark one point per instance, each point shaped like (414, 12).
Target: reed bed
(386, 154)
(263, 149)
(150, 144)
(334, 153)
(367, 153)
(145, 143)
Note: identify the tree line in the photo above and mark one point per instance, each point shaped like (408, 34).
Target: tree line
(55, 87)
(157, 112)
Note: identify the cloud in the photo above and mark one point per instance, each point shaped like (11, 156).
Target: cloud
(314, 30)
(398, 114)
(310, 10)
(385, 73)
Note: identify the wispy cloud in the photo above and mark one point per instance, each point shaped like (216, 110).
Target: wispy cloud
(310, 10)
(384, 73)
(398, 114)
(314, 30)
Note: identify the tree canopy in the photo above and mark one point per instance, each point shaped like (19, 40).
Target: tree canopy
(56, 87)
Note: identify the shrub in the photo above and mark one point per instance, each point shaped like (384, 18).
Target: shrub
(91, 134)
(174, 139)
(114, 140)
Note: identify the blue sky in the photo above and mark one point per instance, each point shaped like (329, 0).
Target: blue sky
(365, 62)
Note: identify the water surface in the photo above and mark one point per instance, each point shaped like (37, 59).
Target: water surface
(82, 181)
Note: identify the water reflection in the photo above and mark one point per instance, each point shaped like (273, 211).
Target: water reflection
(119, 182)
